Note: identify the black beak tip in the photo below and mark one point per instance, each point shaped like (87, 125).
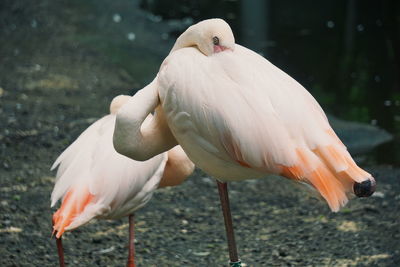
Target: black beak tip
(365, 188)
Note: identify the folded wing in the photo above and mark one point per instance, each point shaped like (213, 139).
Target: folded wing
(96, 181)
(257, 116)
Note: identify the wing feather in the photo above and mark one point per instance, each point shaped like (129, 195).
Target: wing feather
(265, 124)
(99, 182)
(256, 116)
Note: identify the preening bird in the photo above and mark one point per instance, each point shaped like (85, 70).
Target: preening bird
(94, 181)
(237, 116)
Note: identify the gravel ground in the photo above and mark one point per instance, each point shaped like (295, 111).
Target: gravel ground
(56, 77)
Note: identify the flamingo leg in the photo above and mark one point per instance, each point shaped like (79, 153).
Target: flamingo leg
(226, 211)
(131, 255)
(60, 251)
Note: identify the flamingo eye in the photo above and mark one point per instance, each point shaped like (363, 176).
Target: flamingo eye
(215, 40)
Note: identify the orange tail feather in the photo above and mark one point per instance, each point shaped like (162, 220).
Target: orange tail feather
(321, 177)
(332, 171)
(330, 188)
(72, 205)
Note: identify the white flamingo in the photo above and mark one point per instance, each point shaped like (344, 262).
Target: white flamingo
(95, 181)
(237, 116)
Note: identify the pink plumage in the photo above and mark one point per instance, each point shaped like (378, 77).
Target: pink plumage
(94, 181)
(241, 117)
(237, 116)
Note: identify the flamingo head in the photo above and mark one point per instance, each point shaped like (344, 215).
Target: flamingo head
(215, 35)
(209, 36)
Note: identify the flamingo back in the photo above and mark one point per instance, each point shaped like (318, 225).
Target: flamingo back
(246, 112)
(94, 181)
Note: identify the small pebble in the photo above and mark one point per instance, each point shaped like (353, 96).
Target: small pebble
(117, 18)
(131, 36)
(330, 24)
(379, 194)
(201, 254)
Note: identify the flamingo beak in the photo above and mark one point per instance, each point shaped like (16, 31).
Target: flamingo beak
(220, 48)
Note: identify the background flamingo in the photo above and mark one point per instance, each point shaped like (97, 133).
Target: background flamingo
(237, 116)
(97, 182)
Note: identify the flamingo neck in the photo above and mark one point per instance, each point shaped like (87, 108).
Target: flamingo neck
(186, 39)
(139, 135)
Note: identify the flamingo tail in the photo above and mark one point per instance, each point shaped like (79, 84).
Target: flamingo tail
(331, 171)
(73, 204)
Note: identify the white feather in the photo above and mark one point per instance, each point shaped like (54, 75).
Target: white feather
(242, 98)
(119, 184)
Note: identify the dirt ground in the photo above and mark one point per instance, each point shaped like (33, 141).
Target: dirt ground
(57, 76)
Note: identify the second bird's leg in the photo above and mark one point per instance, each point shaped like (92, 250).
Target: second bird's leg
(131, 254)
(60, 251)
(226, 211)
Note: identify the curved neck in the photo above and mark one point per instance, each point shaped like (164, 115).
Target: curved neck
(186, 39)
(139, 135)
(177, 169)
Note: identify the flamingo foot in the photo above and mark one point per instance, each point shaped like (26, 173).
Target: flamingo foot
(235, 264)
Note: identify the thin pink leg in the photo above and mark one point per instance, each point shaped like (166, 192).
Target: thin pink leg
(131, 255)
(60, 252)
(226, 211)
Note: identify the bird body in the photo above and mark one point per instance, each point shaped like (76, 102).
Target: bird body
(237, 116)
(97, 182)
